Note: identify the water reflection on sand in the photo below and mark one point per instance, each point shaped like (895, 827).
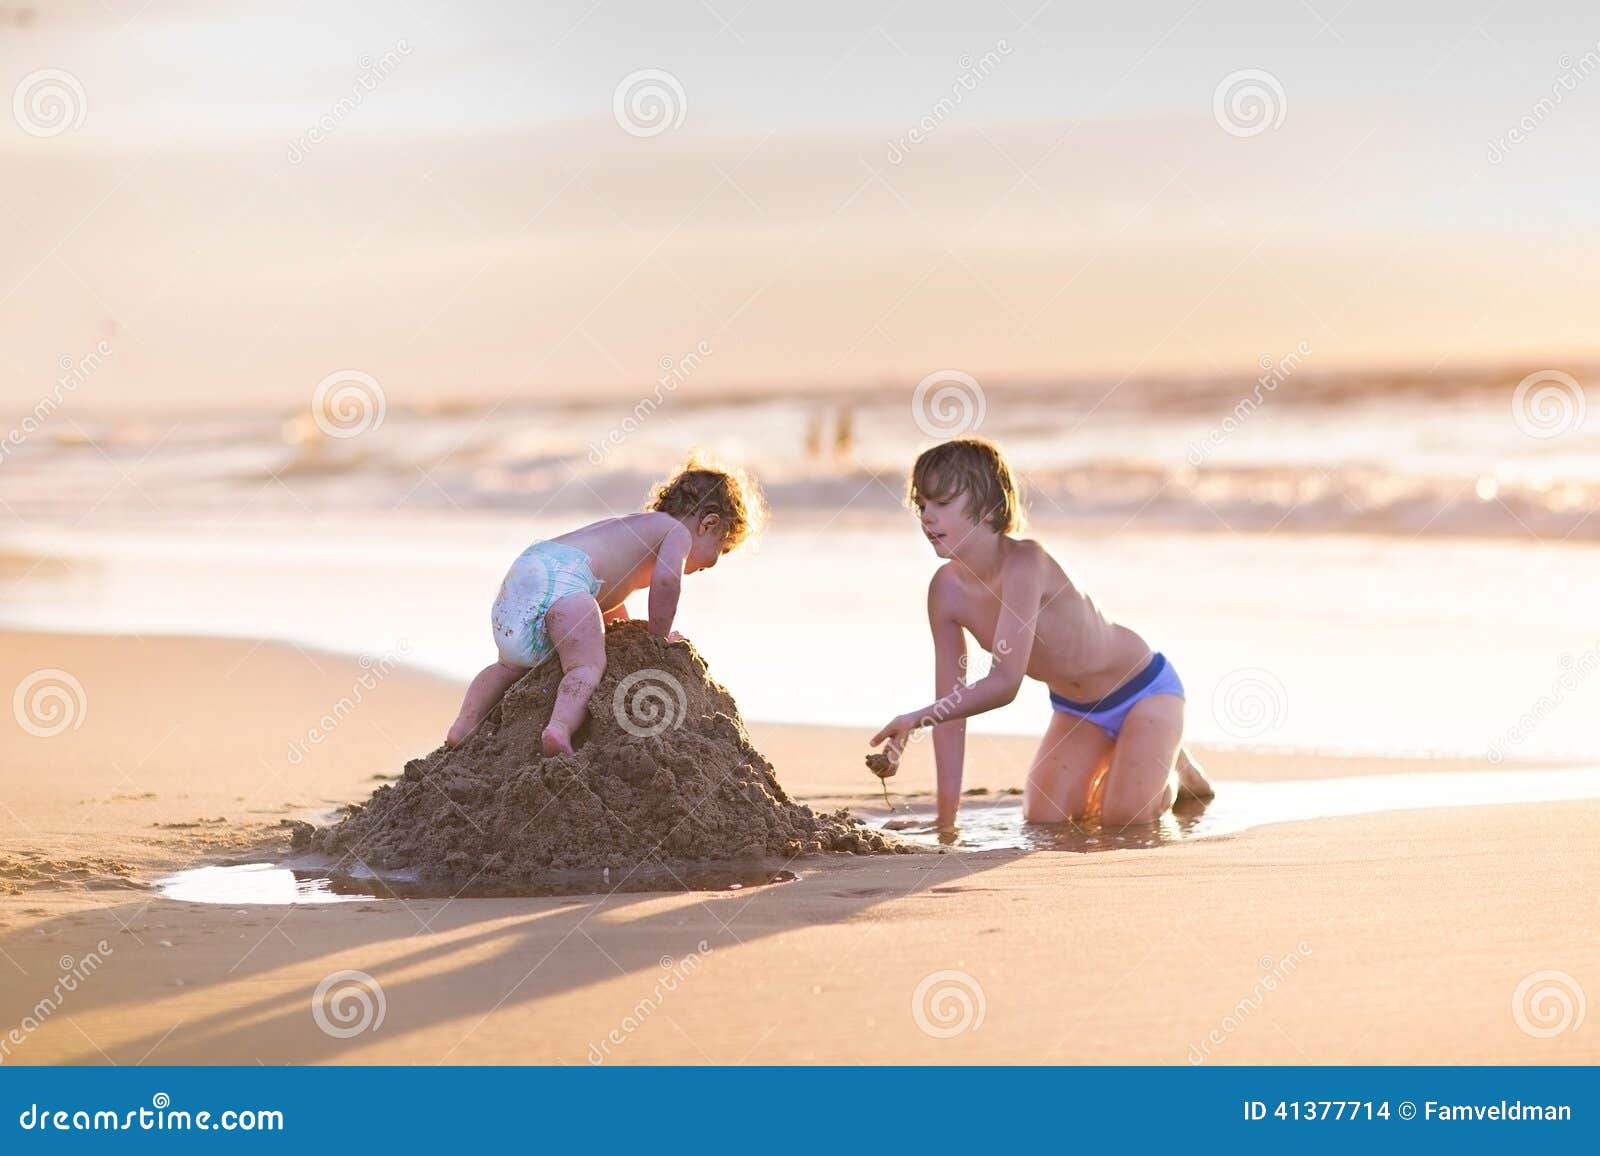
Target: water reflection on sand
(985, 826)
(997, 825)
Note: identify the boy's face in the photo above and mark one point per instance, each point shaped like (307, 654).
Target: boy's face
(946, 522)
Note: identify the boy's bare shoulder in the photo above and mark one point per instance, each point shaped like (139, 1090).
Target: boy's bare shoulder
(1031, 559)
(1026, 554)
(944, 580)
(944, 588)
(1033, 555)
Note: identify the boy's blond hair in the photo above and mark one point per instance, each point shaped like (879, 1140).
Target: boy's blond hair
(701, 488)
(975, 468)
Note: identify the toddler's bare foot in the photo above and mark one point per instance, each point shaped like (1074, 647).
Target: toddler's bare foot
(555, 741)
(459, 733)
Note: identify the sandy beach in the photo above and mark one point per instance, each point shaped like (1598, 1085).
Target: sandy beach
(1173, 382)
(1382, 938)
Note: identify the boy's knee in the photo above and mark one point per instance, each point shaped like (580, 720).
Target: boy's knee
(1120, 812)
(1117, 815)
(1114, 813)
(1045, 811)
(1039, 806)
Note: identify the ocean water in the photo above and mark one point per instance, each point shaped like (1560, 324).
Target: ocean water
(1301, 641)
(1404, 569)
(1474, 458)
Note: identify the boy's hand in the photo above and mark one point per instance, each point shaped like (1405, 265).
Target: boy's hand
(895, 734)
(881, 765)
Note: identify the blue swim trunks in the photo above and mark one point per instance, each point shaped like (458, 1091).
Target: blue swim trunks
(1108, 714)
(544, 572)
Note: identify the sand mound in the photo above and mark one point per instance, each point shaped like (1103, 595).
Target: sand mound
(663, 773)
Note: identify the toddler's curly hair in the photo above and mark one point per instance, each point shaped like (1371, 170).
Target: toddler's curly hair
(701, 488)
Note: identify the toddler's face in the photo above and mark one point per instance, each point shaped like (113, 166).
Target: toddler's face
(706, 549)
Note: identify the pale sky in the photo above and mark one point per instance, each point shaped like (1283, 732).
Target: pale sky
(481, 224)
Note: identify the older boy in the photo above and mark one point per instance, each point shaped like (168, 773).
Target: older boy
(1118, 705)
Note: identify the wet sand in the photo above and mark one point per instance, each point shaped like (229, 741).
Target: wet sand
(1418, 936)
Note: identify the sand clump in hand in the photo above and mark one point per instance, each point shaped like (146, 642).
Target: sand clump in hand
(664, 772)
